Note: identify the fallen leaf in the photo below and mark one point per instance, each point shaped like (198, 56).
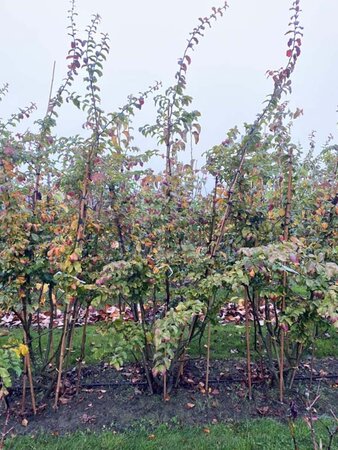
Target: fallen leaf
(206, 430)
(190, 405)
(263, 410)
(24, 422)
(85, 418)
(151, 437)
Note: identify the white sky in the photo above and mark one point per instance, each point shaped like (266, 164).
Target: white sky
(227, 76)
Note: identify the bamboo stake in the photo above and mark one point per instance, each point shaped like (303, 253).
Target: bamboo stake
(30, 377)
(62, 354)
(24, 385)
(31, 386)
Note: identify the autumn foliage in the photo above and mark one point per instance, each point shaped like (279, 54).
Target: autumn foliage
(86, 222)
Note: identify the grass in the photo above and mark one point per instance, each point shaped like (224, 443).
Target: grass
(266, 434)
(227, 342)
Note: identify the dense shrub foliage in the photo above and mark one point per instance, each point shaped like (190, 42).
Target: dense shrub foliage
(83, 223)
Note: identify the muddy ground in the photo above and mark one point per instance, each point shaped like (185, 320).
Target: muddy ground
(120, 400)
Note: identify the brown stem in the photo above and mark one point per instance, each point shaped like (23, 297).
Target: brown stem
(165, 392)
(83, 349)
(213, 214)
(50, 325)
(182, 357)
(294, 370)
(146, 368)
(286, 238)
(208, 358)
(247, 336)
(51, 88)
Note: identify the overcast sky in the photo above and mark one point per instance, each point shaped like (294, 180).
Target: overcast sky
(227, 76)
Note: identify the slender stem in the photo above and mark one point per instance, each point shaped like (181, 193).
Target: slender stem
(165, 394)
(208, 358)
(286, 238)
(83, 349)
(247, 336)
(51, 88)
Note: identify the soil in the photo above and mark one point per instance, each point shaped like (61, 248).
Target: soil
(119, 400)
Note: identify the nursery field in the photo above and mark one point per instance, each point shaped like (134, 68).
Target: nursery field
(176, 307)
(117, 407)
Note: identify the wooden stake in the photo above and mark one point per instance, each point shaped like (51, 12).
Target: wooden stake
(30, 377)
(24, 385)
(62, 354)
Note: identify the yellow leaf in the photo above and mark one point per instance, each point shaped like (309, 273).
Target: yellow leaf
(73, 225)
(21, 280)
(23, 349)
(114, 140)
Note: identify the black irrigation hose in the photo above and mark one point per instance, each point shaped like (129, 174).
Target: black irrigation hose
(215, 382)
(225, 381)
